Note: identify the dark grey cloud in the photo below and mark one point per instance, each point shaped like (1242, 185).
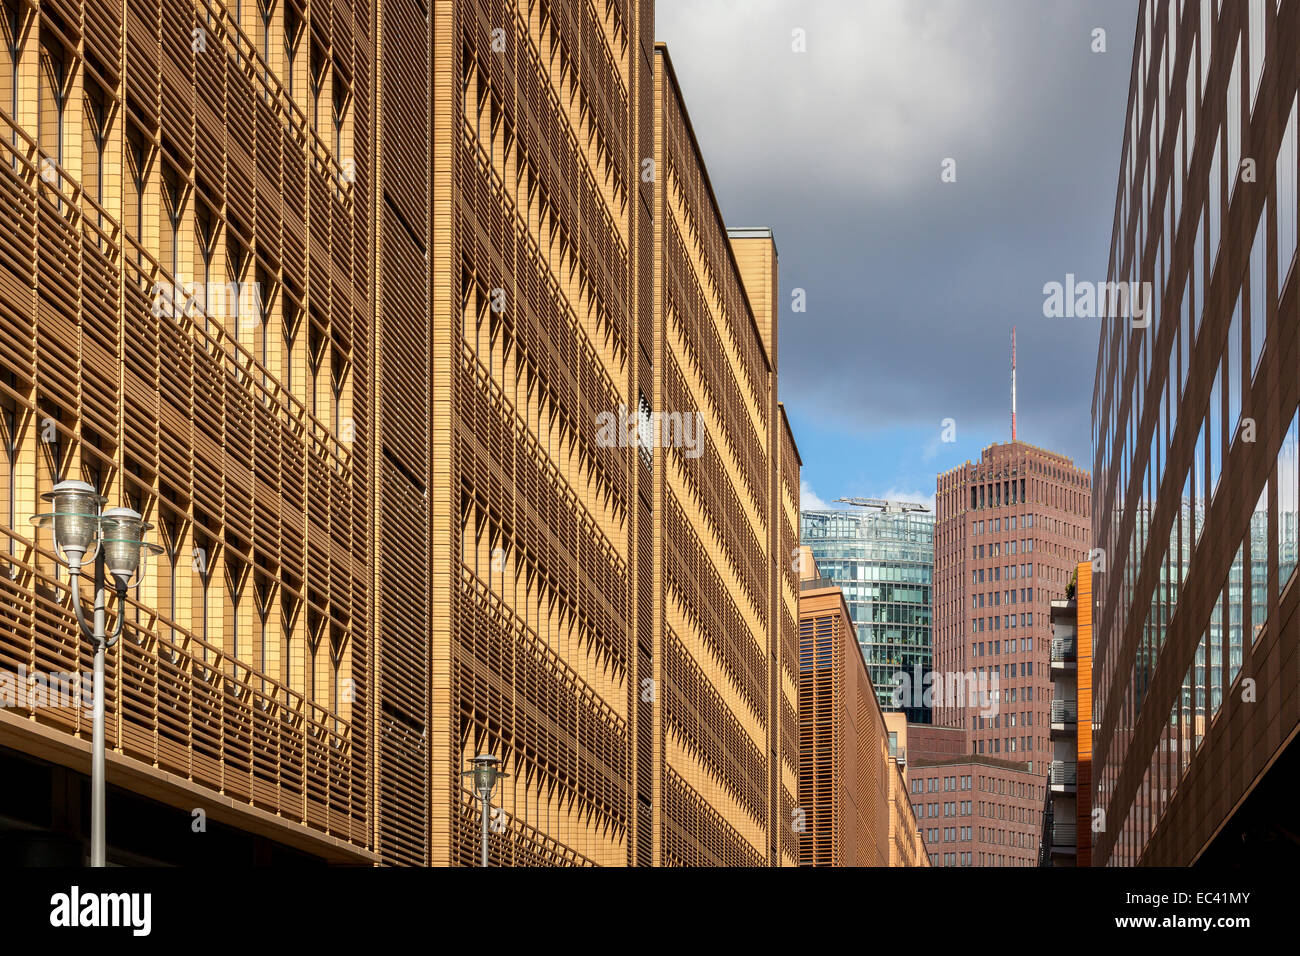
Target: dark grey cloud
(914, 284)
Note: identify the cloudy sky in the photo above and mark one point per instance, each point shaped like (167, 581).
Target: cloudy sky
(913, 284)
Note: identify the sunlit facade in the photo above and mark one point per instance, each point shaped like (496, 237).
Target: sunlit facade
(337, 296)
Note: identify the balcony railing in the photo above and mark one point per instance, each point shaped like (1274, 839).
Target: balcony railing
(1065, 711)
(1064, 773)
(1064, 834)
(1064, 649)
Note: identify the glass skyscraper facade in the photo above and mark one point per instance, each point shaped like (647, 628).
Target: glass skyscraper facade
(883, 560)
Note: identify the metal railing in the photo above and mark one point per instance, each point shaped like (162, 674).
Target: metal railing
(1064, 649)
(1064, 834)
(1063, 773)
(1065, 711)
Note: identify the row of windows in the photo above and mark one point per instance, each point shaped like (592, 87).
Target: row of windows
(951, 808)
(997, 745)
(933, 784)
(986, 784)
(996, 721)
(998, 598)
(995, 525)
(1022, 645)
(949, 835)
(980, 625)
(995, 550)
(1008, 571)
(995, 494)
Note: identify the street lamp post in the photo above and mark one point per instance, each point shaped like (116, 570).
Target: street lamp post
(114, 540)
(484, 777)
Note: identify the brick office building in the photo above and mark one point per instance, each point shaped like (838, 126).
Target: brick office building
(977, 811)
(971, 810)
(1009, 530)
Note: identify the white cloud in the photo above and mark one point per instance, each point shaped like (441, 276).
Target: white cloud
(808, 499)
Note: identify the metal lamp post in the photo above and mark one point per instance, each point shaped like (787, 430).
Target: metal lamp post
(114, 540)
(484, 777)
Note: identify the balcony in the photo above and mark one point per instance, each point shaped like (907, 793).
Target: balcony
(1064, 839)
(1064, 718)
(1064, 654)
(1064, 648)
(1063, 775)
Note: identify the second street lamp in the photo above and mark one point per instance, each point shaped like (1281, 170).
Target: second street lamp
(114, 540)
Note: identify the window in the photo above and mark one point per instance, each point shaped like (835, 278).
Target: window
(1234, 122)
(1235, 333)
(1286, 200)
(94, 137)
(138, 156)
(265, 23)
(9, 424)
(51, 100)
(292, 32)
(342, 128)
(173, 207)
(1212, 210)
(1214, 436)
(318, 66)
(13, 29)
(1259, 565)
(1258, 291)
(1177, 180)
(205, 235)
(1255, 27)
(645, 432)
(1288, 502)
(1198, 269)
(1235, 619)
(237, 262)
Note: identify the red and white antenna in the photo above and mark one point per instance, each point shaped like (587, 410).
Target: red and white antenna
(1013, 383)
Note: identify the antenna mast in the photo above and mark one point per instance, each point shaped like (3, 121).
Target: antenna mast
(1013, 383)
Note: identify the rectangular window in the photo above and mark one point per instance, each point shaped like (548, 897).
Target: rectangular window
(1258, 294)
(1235, 333)
(1235, 612)
(1288, 502)
(1286, 200)
(1259, 566)
(1177, 192)
(1202, 688)
(1255, 15)
(1214, 418)
(1206, 31)
(1198, 270)
(1212, 210)
(1234, 122)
